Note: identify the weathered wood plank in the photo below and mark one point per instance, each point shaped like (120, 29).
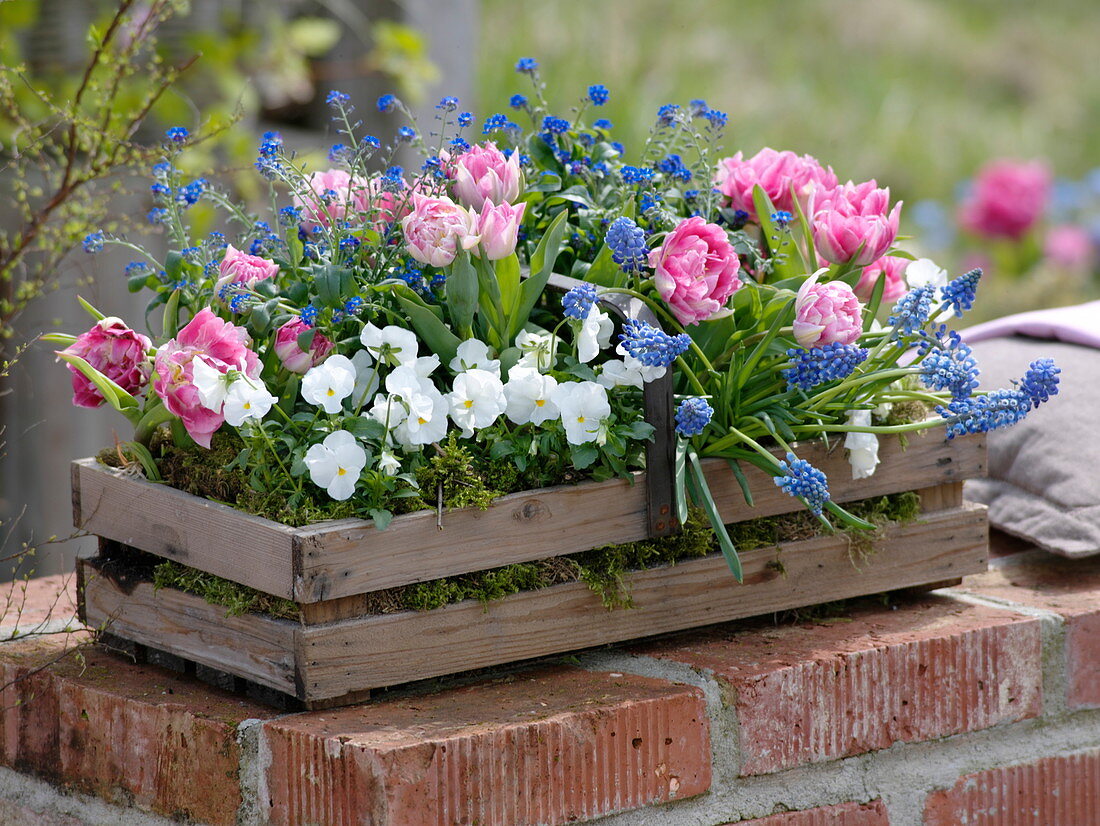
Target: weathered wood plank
(352, 557)
(193, 531)
(941, 497)
(255, 647)
(385, 650)
(927, 460)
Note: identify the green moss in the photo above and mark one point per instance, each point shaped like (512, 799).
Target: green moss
(236, 599)
(452, 475)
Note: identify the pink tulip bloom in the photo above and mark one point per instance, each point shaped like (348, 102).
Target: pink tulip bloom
(498, 227)
(1070, 246)
(777, 173)
(854, 224)
(293, 357)
(482, 174)
(117, 352)
(221, 345)
(437, 228)
(238, 267)
(1007, 199)
(826, 313)
(333, 196)
(895, 287)
(695, 271)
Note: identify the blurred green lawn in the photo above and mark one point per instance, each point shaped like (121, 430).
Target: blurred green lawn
(915, 93)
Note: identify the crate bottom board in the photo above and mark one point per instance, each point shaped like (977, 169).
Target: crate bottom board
(325, 662)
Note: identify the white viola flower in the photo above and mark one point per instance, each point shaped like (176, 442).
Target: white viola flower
(425, 365)
(393, 345)
(426, 421)
(583, 406)
(425, 406)
(329, 383)
(594, 334)
(366, 378)
(335, 464)
(211, 383)
(862, 447)
(476, 400)
(474, 355)
(925, 271)
(388, 463)
(247, 400)
(616, 373)
(649, 373)
(388, 410)
(535, 348)
(529, 395)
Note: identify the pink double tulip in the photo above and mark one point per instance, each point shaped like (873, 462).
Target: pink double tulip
(437, 228)
(333, 196)
(293, 357)
(117, 352)
(1007, 199)
(221, 345)
(482, 174)
(238, 267)
(695, 271)
(826, 313)
(498, 227)
(853, 224)
(894, 268)
(776, 173)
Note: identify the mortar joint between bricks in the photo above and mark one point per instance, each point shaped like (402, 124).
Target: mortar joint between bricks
(721, 715)
(1053, 655)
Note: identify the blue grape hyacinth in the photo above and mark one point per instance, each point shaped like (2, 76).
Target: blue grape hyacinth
(801, 479)
(818, 365)
(627, 243)
(651, 346)
(578, 302)
(692, 416)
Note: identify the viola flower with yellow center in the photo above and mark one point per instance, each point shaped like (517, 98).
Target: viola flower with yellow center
(335, 464)
(329, 383)
(530, 396)
(583, 406)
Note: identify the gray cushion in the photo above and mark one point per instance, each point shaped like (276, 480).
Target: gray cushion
(1044, 473)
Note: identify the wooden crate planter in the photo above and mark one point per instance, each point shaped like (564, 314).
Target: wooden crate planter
(337, 650)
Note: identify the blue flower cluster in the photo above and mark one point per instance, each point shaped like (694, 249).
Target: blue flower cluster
(308, 314)
(387, 103)
(782, 218)
(527, 65)
(598, 94)
(338, 100)
(692, 416)
(818, 365)
(653, 347)
(960, 292)
(674, 167)
(1005, 407)
(178, 134)
(93, 242)
(802, 479)
(517, 101)
(555, 125)
(448, 104)
(949, 364)
(626, 240)
(405, 134)
(578, 302)
(1040, 382)
(666, 115)
(911, 312)
(636, 174)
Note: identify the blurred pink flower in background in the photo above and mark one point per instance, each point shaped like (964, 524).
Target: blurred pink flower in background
(776, 172)
(894, 266)
(332, 195)
(117, 352)
(1007, 199)
(1069, 246)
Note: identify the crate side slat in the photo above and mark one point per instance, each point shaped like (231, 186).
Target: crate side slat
(353, 557)
(389, 649)
(188, 529)
(926, 461)
(255, 647)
